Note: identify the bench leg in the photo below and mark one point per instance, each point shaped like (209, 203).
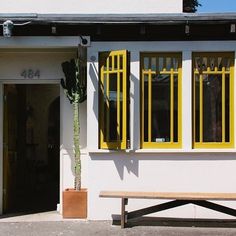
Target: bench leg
(124, 202)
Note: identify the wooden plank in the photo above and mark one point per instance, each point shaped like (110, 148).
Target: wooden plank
(168, 195)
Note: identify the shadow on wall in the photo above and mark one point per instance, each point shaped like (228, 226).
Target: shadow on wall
(94, 78)
(121, 161)
(130, 161)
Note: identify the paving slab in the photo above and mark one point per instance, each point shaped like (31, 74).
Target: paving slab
(52, 224)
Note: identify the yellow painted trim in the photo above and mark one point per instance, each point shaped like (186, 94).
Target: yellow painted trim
(172, 73)
(104, 57)
(223, 72)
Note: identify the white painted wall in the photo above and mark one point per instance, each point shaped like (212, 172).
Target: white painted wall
(154, 170)
(92, 6)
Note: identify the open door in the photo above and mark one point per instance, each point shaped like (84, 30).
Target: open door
(9, 147)
(31, 148)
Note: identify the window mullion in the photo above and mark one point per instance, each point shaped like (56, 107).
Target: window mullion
(149, 106)
(223, 105)
(201, 108)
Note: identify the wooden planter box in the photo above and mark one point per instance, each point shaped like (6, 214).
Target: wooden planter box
(74, 203)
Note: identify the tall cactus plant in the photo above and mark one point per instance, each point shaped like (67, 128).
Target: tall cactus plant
(74, 86)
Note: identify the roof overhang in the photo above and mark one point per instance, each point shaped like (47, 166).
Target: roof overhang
(159, 19)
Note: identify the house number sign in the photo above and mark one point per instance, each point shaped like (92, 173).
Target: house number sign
(30, 74)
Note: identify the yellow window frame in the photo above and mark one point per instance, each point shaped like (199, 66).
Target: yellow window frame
(172, 73)
(223, 72)
(107, 67)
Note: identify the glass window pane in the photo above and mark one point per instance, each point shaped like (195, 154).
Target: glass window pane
(161, 108)
(121, 62)
(175, 64)
(212, 109)
(197, 109)
(113, 107)
(176, 108)
(121, 104)
(204, 63)
(227, 109)
(160, 63)
(212, 63)
(227, 64)
(146, 108)
(153, 64)
(219, 63)
(146, 63)
(110, 63)
(198, 63)
(168, 63)
(115, 62)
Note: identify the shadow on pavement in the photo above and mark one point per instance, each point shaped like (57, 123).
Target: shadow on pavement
(179, 222)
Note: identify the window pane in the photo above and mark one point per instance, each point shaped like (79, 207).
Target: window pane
(153, 64)
(145, 108)
(204, 63)
(161, 108)
(110, 63)
(115, 62)
(197, 63)
(121, 62)
(212, 63)
(212, 108)
(146, 63)
(175, 64)
(113, 107)
(227, 64)
(160, 63)
(168, 63)
(121, 104)
(219, 63)
(176, 108)
(227, 109)
(197, 109)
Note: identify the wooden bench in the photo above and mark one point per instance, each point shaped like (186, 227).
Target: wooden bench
(178, 199)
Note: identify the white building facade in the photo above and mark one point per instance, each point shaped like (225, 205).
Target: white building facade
(172, 142)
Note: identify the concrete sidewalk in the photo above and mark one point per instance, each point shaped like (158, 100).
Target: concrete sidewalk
(51, 224)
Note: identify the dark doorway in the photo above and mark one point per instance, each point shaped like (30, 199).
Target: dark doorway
(31, 148)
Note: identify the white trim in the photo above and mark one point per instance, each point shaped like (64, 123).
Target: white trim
(30, 81)
(186, 103)
(39, 42)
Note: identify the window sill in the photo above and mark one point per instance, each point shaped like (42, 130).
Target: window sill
(230, 150)
(109, 151)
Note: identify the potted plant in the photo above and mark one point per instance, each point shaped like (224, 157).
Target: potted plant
(74, 85)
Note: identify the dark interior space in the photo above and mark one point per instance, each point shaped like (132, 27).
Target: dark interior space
(31, 148)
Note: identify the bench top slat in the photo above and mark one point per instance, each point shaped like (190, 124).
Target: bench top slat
(168, 195)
